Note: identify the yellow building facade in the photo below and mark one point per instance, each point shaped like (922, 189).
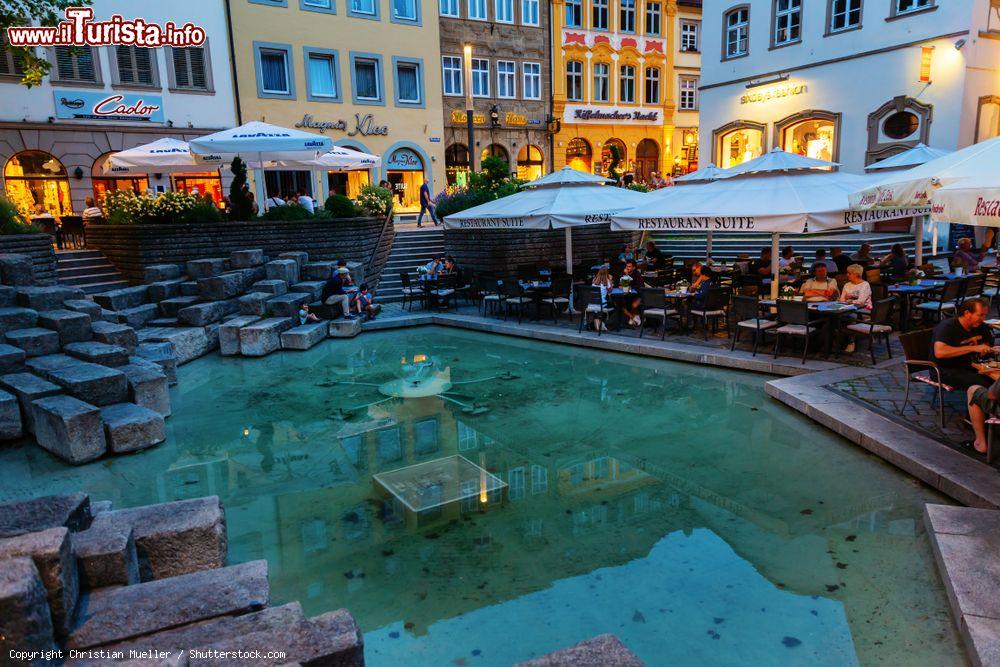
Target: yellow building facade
(366, 73)
(615, 87)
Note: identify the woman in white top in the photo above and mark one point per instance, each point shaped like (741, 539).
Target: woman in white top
(857, 291)
(603, 280)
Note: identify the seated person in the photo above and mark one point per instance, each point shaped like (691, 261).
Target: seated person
(966, 257)
(630, 308)
(603, 280)
(896, 262)
(761, 267)
(787, 258)
(305, 316)
(821, 287)
(701, 295)
(627, 254)
(632, 272)
(654, 258)
(857, 291)
(347, 277)
(840, 259)
(364, 303)
(983, 404)
(832, 268)
(449, 265)
(434, 268)
(334, 293)
(959, 341)
(698, 276)
(863, 255)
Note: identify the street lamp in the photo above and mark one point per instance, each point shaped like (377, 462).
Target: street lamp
(469, 110)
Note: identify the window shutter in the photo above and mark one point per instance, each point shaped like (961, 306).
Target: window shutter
(126, 67)
(196, 57)
(189, 68)
(64, 63)
(143, 66)
(181, 75)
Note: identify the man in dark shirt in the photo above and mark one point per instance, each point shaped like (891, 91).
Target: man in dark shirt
(333, 292)
(761, 267)
(630, 270)
(959, 341)
(654, 258)
(840, 259)
(426, 204)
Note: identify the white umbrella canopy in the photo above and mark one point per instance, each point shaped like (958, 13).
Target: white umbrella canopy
(766, 202)
(567, 176)
(916, 187)
(707, 173)
(336, 159)
(163, 156)
(970, 201)
(919, 154)
(266, 141)
(549, 207)
(777, 160)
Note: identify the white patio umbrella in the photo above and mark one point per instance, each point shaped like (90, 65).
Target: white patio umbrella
(163, 156)
(562, 200)
(337, 158)
(706, 174)
(912, 157)
(770, 196)
(970, 201)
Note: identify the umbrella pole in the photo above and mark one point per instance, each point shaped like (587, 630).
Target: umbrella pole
(259, 185)
(708, 246)
(918, 224)
(934, 237)
(569, 250)
(775, 272)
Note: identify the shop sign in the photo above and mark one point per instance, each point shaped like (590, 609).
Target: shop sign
(774, 93)
(364, 125)
(404, 159)
(88, 105)
(461, 116)
(625, 115)
(511, 118)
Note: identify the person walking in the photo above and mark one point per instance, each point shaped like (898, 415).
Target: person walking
(426, 204)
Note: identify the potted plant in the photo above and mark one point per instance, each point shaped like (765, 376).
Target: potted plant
(626, 283)
(787, 292)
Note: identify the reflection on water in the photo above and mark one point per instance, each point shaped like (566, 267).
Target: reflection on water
(673, 505)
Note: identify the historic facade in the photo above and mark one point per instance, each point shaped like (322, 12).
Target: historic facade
(616, 86)
(363, 72)
(510, 77)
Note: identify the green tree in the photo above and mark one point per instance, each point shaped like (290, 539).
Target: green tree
(240, 207)
(25, 12)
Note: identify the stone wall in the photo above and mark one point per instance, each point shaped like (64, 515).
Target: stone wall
(131, 248)
(501, 251)
(39, 248)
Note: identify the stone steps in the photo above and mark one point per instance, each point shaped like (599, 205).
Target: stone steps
(409, 250)
(89, 270)
(728, 246)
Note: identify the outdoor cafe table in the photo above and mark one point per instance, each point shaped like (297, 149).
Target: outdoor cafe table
(832, 311)
(536, 290)
(907, 292)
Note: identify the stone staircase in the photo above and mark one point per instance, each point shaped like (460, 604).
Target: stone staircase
(728, 246)
(88, 270)
(409, 250)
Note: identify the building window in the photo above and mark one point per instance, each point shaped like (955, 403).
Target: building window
(322, 83)
(737, 32)
(325, 6)
(812, 137)
(653, 85)
(451, 74)
(134, 66)
(11, 64)
(652, 18)
(495, 150)
(627, 16)
(905, 6)
(530, 164)
(599, 10)
(405, 11)
(900, 125)
(76, 64)
(503, 11)
(480, 77)
(626, 85)
(993, 20)
(738, 143)
(189, 68)
(274, 71)
(574, 13)
(539, 479)
(689, 93)
(456, 168)
(988, 118)
(579, 155)
(532, 81)
(409, 81)
(506, 79)
(844, 14)
(449, 8)
(787, 22)
(689, 36)
(515, 483)
(529, 12)
(364, 7)
(366, 73)
(477, 10)
(602, 83)
(574, 81)
(37, 182)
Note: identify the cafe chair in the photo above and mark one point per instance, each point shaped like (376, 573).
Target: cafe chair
(973, 287)
(747, 313)
(587, 302)
(946, 301)
(445, 291)
(558, 297)
(466, 284)
(916, 351)
(991, 423)
(654, 307)
(794, 320)
(715, 308)
(513, 297)
(878, 325)
(410, 293)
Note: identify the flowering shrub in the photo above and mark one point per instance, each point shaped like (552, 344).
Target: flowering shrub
(375, 200)
(124, 207)
(12, 221)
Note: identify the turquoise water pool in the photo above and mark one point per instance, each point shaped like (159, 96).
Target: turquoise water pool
(673, 505)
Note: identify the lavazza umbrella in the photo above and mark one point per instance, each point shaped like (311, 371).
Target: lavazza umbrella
(163, 156)
(778, 193)
(564, 199)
